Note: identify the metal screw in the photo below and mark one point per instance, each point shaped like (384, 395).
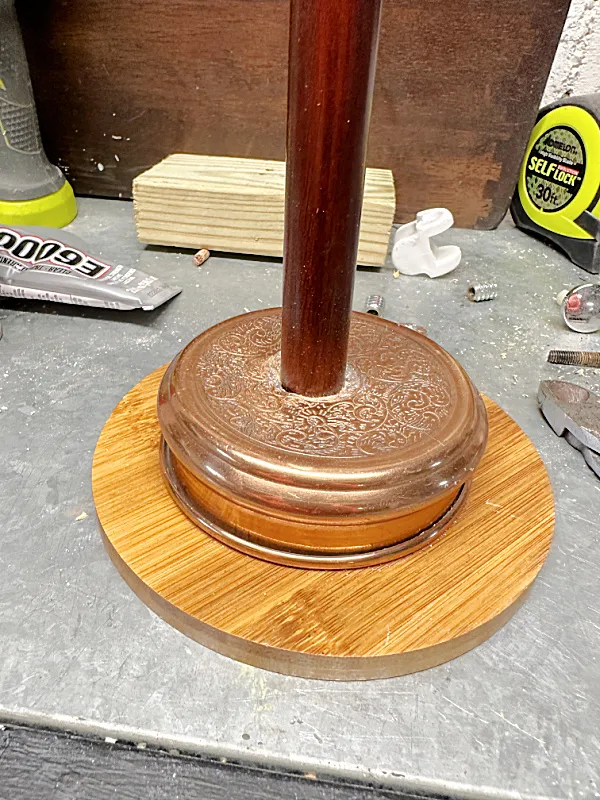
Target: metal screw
(477, 292)
(374, 304)
(574, 358)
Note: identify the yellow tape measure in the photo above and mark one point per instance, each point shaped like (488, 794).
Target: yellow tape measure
(558, 195)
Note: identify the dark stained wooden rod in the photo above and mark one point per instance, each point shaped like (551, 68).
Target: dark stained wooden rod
(333, 50)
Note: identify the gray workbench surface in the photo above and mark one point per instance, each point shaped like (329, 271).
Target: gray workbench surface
(519, 715)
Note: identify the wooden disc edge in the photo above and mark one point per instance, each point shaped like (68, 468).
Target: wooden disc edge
(305, 665)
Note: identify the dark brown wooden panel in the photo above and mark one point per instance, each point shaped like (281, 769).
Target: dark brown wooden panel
(457, 90)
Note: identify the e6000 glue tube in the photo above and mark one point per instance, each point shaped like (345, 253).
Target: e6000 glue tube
(45, 264)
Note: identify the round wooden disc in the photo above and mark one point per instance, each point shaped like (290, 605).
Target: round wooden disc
(375, 622)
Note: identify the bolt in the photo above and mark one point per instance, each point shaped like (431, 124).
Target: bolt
(478, 292)
(374, 304)
(574, 358)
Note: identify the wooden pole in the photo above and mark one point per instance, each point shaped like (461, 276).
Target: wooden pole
(333, 50)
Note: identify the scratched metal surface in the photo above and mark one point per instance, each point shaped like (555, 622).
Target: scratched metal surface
(520, 715)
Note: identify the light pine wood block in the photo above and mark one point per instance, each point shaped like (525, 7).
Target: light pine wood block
(237, 205)
(404, 616)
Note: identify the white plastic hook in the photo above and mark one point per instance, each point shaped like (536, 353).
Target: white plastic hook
(413, 253)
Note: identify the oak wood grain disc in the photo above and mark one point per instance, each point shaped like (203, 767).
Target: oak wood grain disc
(402, 617)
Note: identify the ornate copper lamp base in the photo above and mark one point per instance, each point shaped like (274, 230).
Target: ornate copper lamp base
(357, 478)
